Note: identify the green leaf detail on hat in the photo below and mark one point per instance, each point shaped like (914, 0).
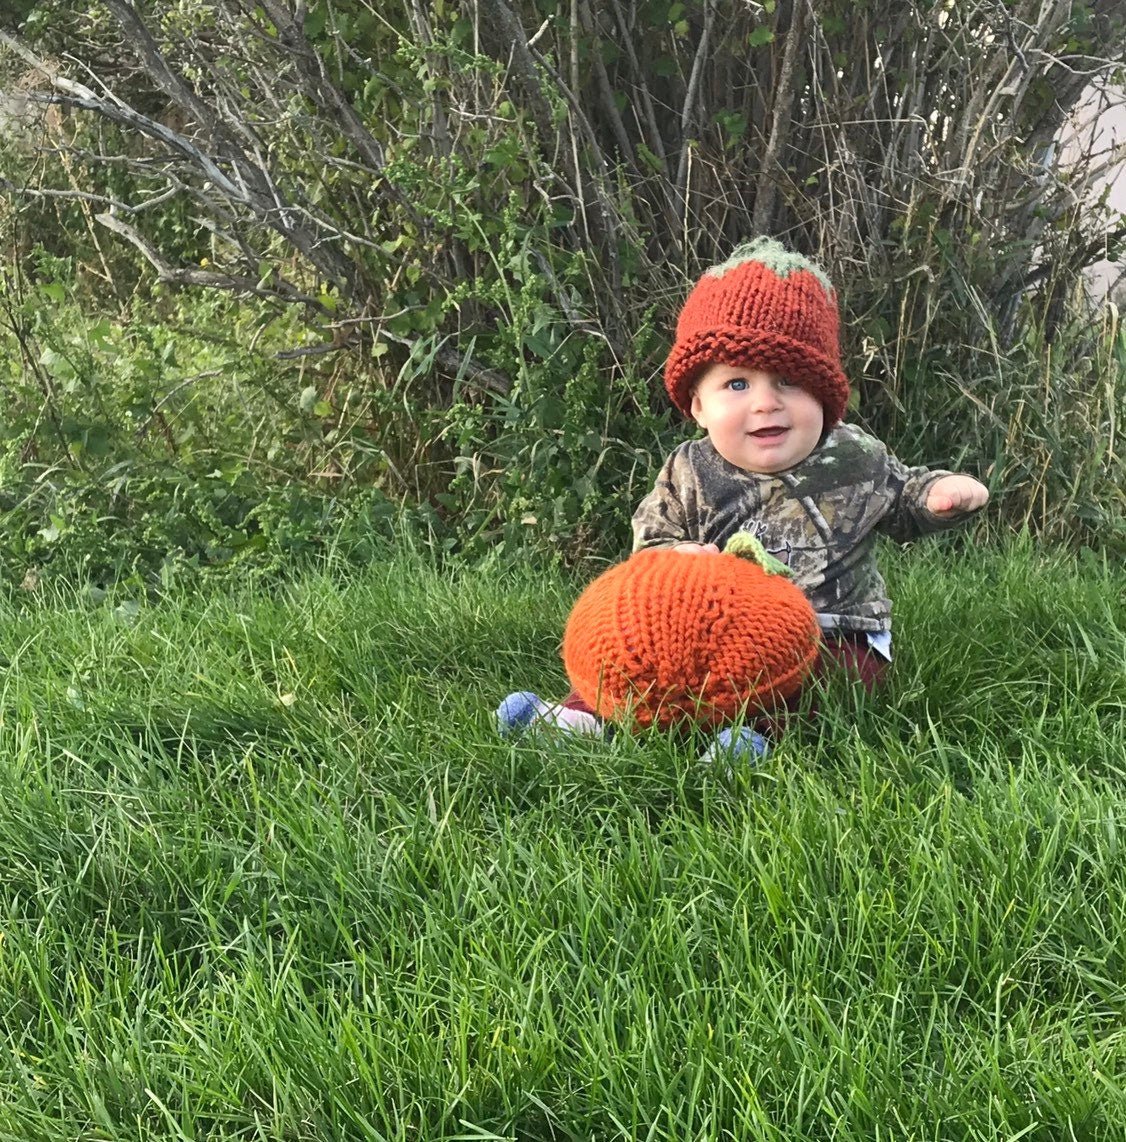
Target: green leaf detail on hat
(772, 254)
(746, 546)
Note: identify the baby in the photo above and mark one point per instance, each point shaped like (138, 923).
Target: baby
(756, 363)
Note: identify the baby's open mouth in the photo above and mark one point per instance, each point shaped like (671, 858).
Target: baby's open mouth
(767, 433)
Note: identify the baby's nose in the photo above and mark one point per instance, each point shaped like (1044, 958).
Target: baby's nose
(765, 397)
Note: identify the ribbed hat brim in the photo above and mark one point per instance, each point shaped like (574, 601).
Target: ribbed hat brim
(772, 352)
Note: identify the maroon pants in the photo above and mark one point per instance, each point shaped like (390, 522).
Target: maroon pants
(840, 651)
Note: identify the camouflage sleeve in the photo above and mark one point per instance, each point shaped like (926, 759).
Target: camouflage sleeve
(908, 517)
(662, 516)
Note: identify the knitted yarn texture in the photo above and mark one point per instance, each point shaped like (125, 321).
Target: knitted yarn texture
(764, 308)
(666, 637)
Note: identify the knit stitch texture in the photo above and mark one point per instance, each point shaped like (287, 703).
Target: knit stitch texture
(764, 308)
(666, 637)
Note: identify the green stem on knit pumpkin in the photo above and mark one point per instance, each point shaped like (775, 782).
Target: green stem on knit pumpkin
(746, 546)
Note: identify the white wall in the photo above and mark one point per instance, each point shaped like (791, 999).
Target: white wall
(1104, 126)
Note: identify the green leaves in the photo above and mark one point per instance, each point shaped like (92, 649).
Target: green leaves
(509, 235)
(732, 126)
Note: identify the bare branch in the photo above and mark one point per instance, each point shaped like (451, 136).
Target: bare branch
(783, 116)
(80, 195)
(250, 183)
(197, 276)
(688, 110)
(80, 96)
(173, 85)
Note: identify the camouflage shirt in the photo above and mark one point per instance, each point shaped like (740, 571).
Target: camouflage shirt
(819, 517)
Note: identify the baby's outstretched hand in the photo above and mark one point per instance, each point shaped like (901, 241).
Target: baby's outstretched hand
(696, 548)
(955, 495)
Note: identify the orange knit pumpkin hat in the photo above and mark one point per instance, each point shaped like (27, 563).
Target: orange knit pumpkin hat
(764, 308)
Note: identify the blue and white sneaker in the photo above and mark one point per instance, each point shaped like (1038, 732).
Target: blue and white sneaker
(523, 710)
(518, 711)
(742, 745)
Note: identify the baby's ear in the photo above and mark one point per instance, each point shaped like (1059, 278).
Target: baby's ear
(697, 409)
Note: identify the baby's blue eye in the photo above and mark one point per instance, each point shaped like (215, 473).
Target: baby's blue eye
(737, 384)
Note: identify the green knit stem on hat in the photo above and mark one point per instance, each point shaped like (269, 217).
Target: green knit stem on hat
(772, 254)
(745, 545)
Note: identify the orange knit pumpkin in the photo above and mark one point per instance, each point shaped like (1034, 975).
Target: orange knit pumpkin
(667, 637)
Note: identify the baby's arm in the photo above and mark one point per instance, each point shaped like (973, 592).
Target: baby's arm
(665, 518)
(956, 495)
(925, 500)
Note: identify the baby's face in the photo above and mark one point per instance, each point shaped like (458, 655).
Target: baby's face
(757, 421)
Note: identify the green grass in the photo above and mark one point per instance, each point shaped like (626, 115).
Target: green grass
(266, 872)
